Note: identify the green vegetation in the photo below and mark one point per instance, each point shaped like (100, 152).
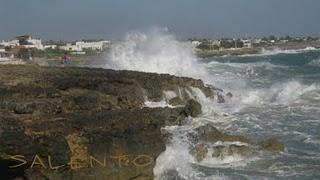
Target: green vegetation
(90, 52)
(52, 53)
(207, 46)
(227, 43)
(48, 53)
(25, 53)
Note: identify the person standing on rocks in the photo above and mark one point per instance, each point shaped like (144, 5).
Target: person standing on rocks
(66, 60)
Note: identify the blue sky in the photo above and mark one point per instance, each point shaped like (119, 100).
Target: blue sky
(111, 19)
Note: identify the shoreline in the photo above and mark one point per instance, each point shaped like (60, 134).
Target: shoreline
(292, 46)
(85, 115)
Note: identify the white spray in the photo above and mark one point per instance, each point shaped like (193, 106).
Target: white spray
(155, 51)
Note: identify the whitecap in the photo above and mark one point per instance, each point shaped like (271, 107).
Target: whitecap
(315, 62)
(276, 51)
(157, 51)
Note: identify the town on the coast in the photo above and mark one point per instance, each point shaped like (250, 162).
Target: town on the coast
(243, 46)
(25, 47)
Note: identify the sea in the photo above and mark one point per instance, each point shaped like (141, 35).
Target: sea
(276, 94)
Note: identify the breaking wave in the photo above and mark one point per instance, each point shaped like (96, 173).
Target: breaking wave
(155, 50)
(257, 84)
(315, 62)
(280, 51)
(279, 93)
(276, 51)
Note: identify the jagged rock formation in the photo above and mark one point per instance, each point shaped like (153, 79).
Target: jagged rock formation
(72, 123)
(82, 123)
(208, 137)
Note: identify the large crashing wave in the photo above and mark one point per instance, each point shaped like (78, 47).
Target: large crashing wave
(155, 50)
(158, 51)
(280, 93)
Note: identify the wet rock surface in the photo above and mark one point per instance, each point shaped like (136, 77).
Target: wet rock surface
(209, 133)
(272, 145)
(192, 108)
(222, 152)
(200, 151)
(81, 123)
(222, 145)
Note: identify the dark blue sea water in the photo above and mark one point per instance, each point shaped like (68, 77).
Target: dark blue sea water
(278, 96)
(275, 95)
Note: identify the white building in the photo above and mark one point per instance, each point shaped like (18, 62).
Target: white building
(257, 41)
(70, 47)
(96, 45)
(195, 43)
(11, 43)
(26, 41)
(215, 42)
(82, 45)
(246, 43)
(53, 46)
(34, 43)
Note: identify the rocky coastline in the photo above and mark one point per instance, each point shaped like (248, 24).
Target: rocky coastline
(258, 49)
(90, 123)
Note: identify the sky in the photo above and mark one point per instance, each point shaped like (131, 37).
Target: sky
(112, 19)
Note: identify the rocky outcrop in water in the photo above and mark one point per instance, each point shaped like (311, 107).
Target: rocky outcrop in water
(81, 123)
(207, 139)
(272, 145)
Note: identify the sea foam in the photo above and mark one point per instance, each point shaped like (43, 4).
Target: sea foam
(276, 51)
(315, 62)
(155, 50)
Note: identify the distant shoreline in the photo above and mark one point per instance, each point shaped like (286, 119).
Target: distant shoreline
(257, 50)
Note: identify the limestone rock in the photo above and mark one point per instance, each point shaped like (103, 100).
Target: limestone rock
(193, 108)
(232, 150)
(200, 151)
(220, 98)
(74, 113)
(209, 133)
(229, 95)
(176, 101)
(272, 145)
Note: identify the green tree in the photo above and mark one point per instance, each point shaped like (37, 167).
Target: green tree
(203, 46)
(239, 43)
(227, 44)
(272, 38)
